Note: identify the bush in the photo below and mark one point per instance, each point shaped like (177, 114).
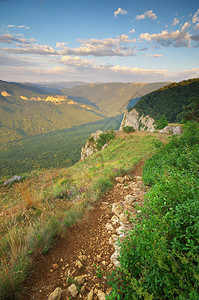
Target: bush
(161, 123)
(104, 138)
(128, 129)
(160, 257)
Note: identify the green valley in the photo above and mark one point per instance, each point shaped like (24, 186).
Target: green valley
(112, 98)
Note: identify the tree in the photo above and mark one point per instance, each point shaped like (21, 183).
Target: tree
(191, 111)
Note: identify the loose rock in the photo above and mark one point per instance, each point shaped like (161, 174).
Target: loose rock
(13, 179)
(56, 295)
(90, 295)
(73, 290)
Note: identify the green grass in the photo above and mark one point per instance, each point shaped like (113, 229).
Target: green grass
(159, 258)
(47, 202)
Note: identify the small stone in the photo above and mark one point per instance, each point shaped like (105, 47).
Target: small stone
(101, 295)
(119, 179)
(127, 178)
(129, 199)
(73, 290)
(56, 295)
(67, 273)
(114, 220)
(55, 266)
(82, 258)
(109, 227)
(61, 260)
(78, 264)
(123, 218)
(120, 231)
(13, 179)
(90, 295)
(80, 279)
(116, 209)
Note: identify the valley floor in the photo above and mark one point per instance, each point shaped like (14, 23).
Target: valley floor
(79, 262)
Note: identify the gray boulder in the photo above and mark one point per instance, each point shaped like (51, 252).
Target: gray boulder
(13, 179)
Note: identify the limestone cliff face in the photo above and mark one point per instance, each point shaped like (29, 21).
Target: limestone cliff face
(139, 123)
(146, 123)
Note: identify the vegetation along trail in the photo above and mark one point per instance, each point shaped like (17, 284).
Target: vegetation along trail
(79, 262)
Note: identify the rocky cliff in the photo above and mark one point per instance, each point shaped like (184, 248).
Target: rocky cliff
(133, 119)
(147, 123)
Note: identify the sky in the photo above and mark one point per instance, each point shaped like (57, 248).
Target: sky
(99, 40)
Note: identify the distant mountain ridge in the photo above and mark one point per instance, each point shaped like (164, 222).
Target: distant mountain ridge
(113, 97)
(26, 109)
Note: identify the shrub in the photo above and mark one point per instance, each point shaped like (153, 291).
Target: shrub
(159, 258)
(104, 138)
(161, 123)
(128, 129)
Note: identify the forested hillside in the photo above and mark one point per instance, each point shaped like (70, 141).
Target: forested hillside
(112, 98)
(169, 100)
(27, 111)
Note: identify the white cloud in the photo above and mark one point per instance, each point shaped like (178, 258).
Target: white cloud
(32, 49)
(132, 31)
(195, 18)
(148, 14)
(8, 38)
(174, 38)
(185, 26)
(153, 55)
(76, 61)
(60, 45)
(94, 73)
(175, 21)
(118, 46)
(19, 26)
(120, 11)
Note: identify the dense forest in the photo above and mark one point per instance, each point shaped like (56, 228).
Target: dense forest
(168, 100)
(51, 150)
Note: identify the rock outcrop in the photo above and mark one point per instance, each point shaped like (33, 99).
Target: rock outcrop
(147, 123)
(90, 146)
(176, 130)
(13, 179)
(133, 119)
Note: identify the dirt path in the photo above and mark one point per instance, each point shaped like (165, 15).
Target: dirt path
(79, 262)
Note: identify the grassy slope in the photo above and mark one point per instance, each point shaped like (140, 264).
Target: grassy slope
(31, 212)
(113, 97)
(169, 100)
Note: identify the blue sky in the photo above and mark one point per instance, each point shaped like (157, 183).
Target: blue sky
(92, 40)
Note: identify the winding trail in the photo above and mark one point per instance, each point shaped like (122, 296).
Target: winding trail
(89, 248)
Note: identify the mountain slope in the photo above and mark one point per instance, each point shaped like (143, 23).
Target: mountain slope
(26, 110)
(169, 100)
(112, 98)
